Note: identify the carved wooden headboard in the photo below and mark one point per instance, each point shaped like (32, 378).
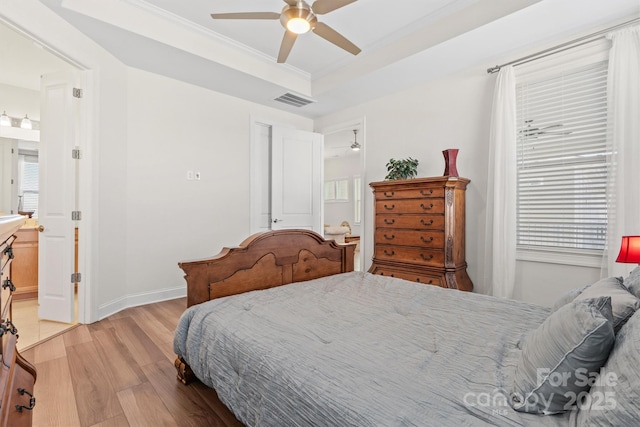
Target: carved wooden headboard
(266, 260)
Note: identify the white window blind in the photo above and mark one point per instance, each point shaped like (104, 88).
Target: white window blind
(29, 183)
(562, 160)
(336, 190)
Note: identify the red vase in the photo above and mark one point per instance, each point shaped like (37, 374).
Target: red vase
(450, 156)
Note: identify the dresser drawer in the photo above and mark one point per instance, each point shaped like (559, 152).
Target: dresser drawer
(409, 275)
(424, 222)
(5, 302)
(420, 206)
(430, 257)
(389, 236)
(414, 193)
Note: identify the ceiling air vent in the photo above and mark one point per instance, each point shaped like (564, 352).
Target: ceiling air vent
(295, 100)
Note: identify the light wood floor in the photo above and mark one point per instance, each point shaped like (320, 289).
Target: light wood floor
(33, 330)
(119, 372)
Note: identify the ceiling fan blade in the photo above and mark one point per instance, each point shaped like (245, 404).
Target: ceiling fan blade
(291, 2)
(285, 47)
(246, 15)
(328, 33)
(320, 7)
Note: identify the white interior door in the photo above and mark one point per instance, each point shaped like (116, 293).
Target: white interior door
(57, 169)
(296, 179)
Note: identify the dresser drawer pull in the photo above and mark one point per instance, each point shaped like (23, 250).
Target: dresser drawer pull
(389, 194)
(430, 282)
(389, 221)
(8, 251)
(429, 240)
(390, 208)
(382, 274)
(423, 222)
(8, 326)
(32, 400)
(426, 207)
(426, 193)
(425, 258)
(8, 284)
(393, 236)
(392, 253)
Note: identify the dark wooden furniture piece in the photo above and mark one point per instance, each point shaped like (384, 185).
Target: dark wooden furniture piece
(262, 261)
(420, 231)
(349, 239)
(17, 376)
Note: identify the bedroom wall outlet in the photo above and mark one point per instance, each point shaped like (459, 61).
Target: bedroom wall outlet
(197, 176)
(189, 175)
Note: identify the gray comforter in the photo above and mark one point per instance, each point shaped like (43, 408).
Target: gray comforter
(357, 349)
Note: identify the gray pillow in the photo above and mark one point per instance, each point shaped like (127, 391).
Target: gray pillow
(570, 344)
(623, 302)
(567, 298)
(614, 399)
(632, 282)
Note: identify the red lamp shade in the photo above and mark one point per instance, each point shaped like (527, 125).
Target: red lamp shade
(629, 250)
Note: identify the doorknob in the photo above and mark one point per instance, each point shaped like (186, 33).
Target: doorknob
(41, 228)
(277, 220)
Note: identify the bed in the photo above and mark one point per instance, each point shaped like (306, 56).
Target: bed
(288, 335)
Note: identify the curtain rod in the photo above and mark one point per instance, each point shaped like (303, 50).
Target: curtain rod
(562, 47)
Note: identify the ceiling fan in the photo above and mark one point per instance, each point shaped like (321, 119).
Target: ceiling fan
(297, 17)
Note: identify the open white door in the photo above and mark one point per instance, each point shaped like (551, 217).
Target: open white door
(58, 138)
(296, 179)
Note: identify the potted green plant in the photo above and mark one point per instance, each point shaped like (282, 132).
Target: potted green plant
(401, 169)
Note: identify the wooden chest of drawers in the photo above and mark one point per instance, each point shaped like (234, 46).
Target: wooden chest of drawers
(420, 231)
(17, 376)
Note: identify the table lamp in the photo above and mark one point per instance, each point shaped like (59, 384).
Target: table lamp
(629, 250)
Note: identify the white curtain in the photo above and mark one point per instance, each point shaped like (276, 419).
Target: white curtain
(500, 229)
(624, 144)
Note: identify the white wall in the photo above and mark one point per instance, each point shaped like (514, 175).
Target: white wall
(173, 128)
(17, 101)
(450, 112)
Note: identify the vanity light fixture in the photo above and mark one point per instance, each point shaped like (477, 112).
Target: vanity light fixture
(26, 123)
(355, 146)
(5, 120)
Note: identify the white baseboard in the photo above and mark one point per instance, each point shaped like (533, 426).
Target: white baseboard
(142, 298)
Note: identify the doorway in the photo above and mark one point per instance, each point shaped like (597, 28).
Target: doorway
(24, 63)
(343, 185)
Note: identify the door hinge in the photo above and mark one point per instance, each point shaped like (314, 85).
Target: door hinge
(77, 92)
(76, 215)
(76, 277)
(75, 154)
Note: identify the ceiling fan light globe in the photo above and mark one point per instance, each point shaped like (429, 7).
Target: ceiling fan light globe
(298, 25)
(299, 19)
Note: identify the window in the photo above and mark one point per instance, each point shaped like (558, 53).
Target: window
(357, 200)
(563, 161)
(28, 192)
(336, 190)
